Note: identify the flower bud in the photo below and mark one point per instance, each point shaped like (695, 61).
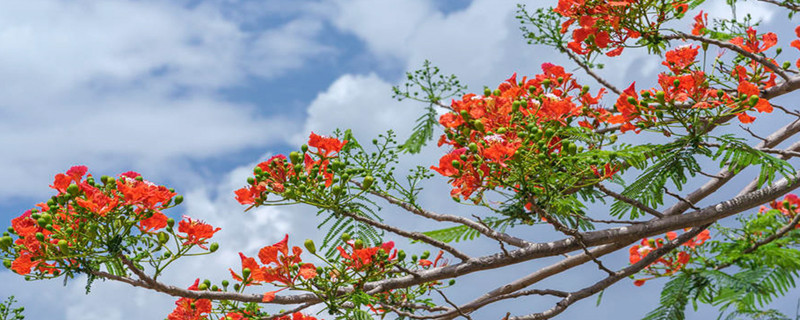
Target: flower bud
(236, 286)
(358, 244)
(163, 237)
(294, 156)
(753, 100)
(452, 282)
(225, 284)
(425, 254)
(497, 92)
(7, 263)
(245, 273)
(178, 199)
(345, 237)
(213, 247)
(40, 236)
(202, 286)
(170, 223)
(309, 244)
(401, 255)
(73, 189)
(473, 147)
(368, 181)
(660, 96)
(304, 148)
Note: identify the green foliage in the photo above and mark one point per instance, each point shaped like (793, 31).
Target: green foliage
(462, 232)
(735, 153)
(673, 162)
(8, 312)
(429, 86)
(674, 297)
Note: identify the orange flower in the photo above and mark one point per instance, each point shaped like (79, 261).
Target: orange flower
(700, 22)
(752, 44)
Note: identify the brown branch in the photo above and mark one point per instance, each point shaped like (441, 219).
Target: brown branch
(754, 183)
(677, 196)
(782, 4)
(488, 232)
(633, 202)
(591, 73)
(573, 297)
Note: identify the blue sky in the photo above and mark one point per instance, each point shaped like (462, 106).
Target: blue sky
(192, 94)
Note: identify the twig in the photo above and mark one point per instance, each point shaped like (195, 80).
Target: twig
(633, 202)
(452, 304)
(681, 199)
(514, 241)
(590, 72)
(786, 110)
(751, 133)
(786, 153)
(411, 235)
(572, 232)
(285, 313)
(502, 246)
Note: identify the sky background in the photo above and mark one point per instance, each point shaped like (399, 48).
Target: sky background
(193, 94)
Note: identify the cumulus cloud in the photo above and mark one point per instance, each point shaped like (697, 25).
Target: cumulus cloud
(120, 84)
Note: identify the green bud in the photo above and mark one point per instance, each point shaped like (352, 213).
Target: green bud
(368, 181)
(631, 100)
(585, 89)
(167, 255)
(486, 91)
(295, 157)
(358, 244)
(546, 82)
(236, 286)
(170, 223)
(515, 106)
(501, 130)
(464, 114)
(62, 244)
(257, 171)
(336, 190)
(345, 237)
(304, 148)
(309, 244)
(104, 179)
(456, 164)
(414, 258)
(425, 254)
(225, 284)
(213, 247)
(401, 255)
(660, 96)
(251, 180)
(163, 237)
(572, 148)
(320, 270)
(214, 288)
(612, 138)
(676, 82)
(786, 64)
(778, 50)
(245, 273)
(497, 92)
(7, 263)
(452, 282)
(202, 287)
(479, 126)
(73, 189)
(753, 100)
(207, 282)
(40, 236)
(473, 147)
(178, 199)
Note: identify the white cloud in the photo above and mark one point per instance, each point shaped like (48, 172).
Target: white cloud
(133, 84)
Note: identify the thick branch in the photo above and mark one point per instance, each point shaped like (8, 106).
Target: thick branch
(608, 281)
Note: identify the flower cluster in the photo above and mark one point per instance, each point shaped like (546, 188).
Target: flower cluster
(279, 267)
(308, 170)
(488, 132)
(80, 217)
(668, 264)
(360, 258)
(604, 25)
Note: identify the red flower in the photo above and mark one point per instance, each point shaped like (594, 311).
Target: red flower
(752, 44)
(197, 232)
(325, 145)
(678, 59)
(700, 22)
(297, 316)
